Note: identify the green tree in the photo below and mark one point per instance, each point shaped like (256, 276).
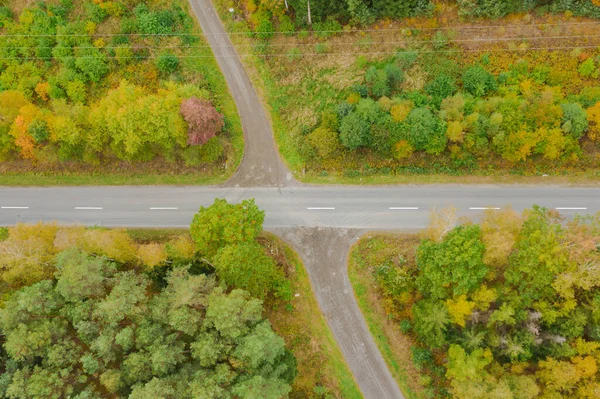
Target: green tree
(574, 121)
(425, 131)
(453, 267)
(431, 320)
(246, 266)
(478, 81)
(354, 131)
(95, 330)
(326, 142)
(223, 224)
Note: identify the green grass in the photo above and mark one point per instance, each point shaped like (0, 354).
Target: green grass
(364, 289)
(158, 235)
(40, 179)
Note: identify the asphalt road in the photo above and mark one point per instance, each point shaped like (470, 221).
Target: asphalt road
(261, 164)
(388, 208)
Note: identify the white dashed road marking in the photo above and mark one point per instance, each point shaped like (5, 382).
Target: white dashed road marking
(483, 208)
(571, 209)
(166, 208)
(320, 208)
(14, 207)
(404, 208)
(88, 208)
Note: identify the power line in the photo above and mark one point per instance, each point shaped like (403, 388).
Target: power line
(475, 40)
(320, 54)
(249, 33)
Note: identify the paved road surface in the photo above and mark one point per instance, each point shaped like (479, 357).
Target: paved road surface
(393, 207)
(261, 165)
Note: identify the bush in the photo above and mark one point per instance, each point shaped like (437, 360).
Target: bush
(325, 141)
(574, 120)
(421, 357)
(377, 82)
(441, 87)
(354, 131)
(167, 63)
(264, 29)
(327, 28)
(478, 81)
(286, 26)
(425, 131)
(211, 151)
(588, 68)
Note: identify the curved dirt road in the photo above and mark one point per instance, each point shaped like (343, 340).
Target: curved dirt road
(261, 165)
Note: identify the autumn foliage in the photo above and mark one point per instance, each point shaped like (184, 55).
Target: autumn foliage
(507, 308)
(204, 121)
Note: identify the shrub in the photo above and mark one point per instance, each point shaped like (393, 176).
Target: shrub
(327, 28)
(401, 110)
(264, 28)
(211, 151)
(421, 356)
(286, 25)
(478, 81)
(377, 82)
(588, 68)
(325, 141)
(441, 87)
(425, 131)
(574, 120)
(354, 131)
(403, 150)
(395, 76)
(76, 91)
(204, 121)
(167, 63)
(246, 266)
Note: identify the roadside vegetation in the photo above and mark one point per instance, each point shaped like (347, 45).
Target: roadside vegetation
(218, 310)
(430, 88)
(122, 87)
(503, 308)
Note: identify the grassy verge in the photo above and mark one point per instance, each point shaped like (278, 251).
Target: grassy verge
(322, 370)
(393, 345)
(41, 179)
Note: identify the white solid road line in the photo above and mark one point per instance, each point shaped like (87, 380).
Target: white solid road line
(571, 209)
(320, 208)
(171, 208)
(483, 208)
(404, 208)
(14, 207)
(89, 208)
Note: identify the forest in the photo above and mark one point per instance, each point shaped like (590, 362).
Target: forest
(110, 82)
(503, 308)
(111, 313)
(444, 92)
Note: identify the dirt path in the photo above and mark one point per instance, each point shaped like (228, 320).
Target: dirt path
(261, 165)
(324, 252)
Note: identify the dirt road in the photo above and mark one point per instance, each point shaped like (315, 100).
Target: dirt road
(324, 252)
(261, 165)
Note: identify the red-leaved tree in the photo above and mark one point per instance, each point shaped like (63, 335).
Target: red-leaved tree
(203, 119)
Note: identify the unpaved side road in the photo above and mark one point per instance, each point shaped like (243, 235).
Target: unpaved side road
(261, 165)
(324, 252)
